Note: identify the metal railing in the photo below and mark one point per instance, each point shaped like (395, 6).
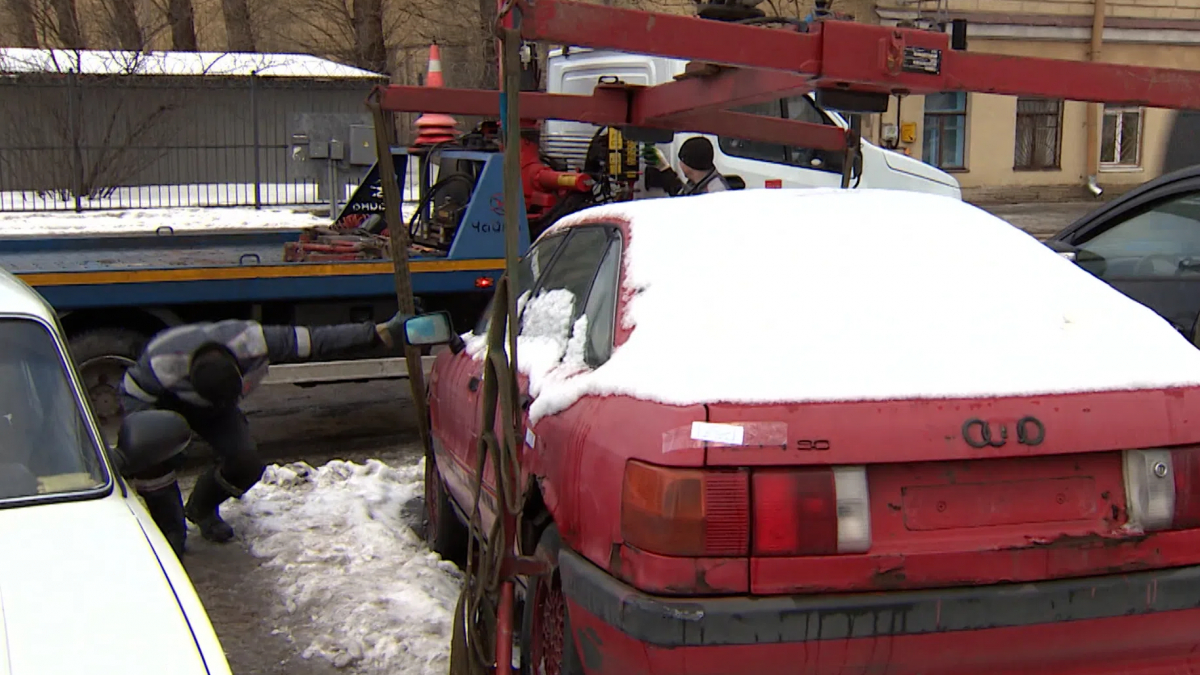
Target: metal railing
(71, 143)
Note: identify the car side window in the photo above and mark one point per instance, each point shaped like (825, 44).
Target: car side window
(1162, 241)
(767, 152)
(574, 267)
(601, 306)
(536, 260)
(803, 109)
(800, 108)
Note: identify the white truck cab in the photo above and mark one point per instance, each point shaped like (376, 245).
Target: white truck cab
(758, 164)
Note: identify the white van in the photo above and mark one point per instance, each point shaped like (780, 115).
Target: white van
(754, 162)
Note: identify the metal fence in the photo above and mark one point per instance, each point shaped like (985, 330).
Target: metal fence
(80, 143)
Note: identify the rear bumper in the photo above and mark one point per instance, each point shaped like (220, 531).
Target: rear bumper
(1148, 618)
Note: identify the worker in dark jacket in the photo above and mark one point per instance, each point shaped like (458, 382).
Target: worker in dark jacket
(696, 164)
(202, 371)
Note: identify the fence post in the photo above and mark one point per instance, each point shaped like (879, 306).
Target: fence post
(76, 152)
(257, 148)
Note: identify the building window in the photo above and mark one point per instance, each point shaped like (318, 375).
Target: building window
(1039, 133)
(1121, 137)
(945, 141)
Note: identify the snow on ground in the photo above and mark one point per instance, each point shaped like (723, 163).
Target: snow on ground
(147, 221)
(349, 567)
(860, 295)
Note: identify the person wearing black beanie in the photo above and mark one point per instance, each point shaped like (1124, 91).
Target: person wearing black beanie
(203, 371)
(696, 164)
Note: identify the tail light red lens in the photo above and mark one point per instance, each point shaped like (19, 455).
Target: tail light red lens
(795, 512)
(686, 512)
(1186, 480)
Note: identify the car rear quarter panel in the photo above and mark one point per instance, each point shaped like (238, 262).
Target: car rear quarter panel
(580, 460)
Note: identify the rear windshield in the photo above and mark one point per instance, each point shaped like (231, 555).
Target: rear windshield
(45, 446)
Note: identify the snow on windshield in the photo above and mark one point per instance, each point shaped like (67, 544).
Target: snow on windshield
(763, 296)
(349, 567)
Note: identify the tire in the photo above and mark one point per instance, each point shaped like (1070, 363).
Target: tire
(102, 356)
(444, 532)
(546, 641)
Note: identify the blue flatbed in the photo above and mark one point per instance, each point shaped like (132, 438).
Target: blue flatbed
(76, 272)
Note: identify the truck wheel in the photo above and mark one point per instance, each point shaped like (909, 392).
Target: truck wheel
(547, 643)
(102, 356)
(444, 532)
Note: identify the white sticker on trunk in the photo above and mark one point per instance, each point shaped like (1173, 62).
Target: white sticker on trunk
(728, 434)
(530, 439)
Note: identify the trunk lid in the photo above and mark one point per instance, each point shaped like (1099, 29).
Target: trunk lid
(969, 491)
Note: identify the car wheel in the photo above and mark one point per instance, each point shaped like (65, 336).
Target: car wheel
(444, 532)
(102, 357)
(547, 644)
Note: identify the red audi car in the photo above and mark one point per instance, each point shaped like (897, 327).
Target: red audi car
(837, 431)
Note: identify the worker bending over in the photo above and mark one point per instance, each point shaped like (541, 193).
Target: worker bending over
(202, 371)
(696, 164)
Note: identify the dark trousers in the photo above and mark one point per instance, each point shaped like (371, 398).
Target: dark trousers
(237, 468)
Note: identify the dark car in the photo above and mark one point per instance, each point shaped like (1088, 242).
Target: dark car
(1146, 244)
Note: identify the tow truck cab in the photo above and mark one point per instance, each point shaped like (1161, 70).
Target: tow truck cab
(760, 165)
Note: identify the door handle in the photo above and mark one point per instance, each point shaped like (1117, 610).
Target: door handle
(473, 383)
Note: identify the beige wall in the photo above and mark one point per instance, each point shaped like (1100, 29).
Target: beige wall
(991, 122)
(1134, 9)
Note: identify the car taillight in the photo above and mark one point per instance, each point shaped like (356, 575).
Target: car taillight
(811, 511)
(1161, 488)
(686, 512)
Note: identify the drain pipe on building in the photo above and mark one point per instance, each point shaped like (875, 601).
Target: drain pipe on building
(1095, 112)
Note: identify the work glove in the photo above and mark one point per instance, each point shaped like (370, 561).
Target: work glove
(653, 157)
(391, 331)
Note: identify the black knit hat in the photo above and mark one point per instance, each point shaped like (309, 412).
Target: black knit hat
(216, 377)
(697, 152)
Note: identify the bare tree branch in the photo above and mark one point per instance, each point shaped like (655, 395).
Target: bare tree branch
(239, 32)
(181, 17)
(24, 23)
(124, 24)
(70, 35)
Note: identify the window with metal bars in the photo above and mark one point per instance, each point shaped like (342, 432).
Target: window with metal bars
(1121, 137)
(1039, 134)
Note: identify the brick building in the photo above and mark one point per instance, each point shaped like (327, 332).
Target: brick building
(1001, 147)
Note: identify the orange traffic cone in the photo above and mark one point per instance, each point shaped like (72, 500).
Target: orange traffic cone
(435, 128)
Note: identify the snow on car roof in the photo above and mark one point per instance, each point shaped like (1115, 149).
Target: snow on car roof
(761, 296)
(213, 64)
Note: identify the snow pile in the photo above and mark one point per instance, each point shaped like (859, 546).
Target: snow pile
(826, 295)
(349, 566)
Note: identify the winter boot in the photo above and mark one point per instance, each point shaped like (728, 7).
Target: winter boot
(165, 505)
(203, 508)
(212, 526)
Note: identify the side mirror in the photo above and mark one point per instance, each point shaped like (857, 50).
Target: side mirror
(429, 329)
(149, 438)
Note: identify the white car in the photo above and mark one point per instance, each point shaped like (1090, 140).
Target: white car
(88, 584)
